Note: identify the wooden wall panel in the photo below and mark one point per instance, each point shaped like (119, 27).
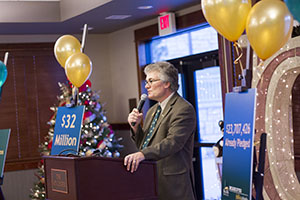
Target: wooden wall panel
(30, 90)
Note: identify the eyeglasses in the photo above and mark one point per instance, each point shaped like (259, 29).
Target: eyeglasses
(150, 81)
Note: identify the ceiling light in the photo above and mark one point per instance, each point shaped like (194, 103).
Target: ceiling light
(144, 7)
(118, 17)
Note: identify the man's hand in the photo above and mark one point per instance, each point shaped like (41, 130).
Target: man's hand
(135, 116)
(133, 160)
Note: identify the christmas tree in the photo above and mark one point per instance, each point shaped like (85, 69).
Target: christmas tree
(97, 136)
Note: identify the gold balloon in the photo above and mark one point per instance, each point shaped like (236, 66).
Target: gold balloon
(78, 68)
(228, 17)
(269, 26)
(64, 47)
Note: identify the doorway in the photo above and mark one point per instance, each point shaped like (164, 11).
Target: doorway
(201, 86)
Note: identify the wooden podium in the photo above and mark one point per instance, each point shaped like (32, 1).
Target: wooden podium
(75, 178)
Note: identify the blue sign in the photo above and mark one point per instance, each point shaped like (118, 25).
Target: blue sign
(238, 145)
(67, 130)
(4, 138)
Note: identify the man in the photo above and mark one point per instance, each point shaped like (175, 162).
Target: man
(167, 135)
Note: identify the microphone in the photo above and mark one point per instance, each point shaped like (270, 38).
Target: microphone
(140, 105)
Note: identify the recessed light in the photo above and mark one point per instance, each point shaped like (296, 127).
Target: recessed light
(144, 7)
(118, 17)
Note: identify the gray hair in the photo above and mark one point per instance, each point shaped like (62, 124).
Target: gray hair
(167, 73)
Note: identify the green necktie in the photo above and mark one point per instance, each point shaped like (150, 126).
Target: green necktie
(152, 126)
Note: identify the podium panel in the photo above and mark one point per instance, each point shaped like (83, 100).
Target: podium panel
(74, 178)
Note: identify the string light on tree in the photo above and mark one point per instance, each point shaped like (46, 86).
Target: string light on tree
(97, 136)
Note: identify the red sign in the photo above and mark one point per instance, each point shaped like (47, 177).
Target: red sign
(164, 22)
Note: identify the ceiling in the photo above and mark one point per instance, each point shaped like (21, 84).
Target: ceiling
(69, 16)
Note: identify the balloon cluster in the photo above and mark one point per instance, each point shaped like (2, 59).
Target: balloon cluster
(268, 23)
(77, 65)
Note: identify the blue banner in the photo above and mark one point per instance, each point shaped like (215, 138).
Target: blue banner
(67, 130)
(238, 145)
(4, 138)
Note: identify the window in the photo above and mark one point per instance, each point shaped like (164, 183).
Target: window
(198, 40)
(180, 89)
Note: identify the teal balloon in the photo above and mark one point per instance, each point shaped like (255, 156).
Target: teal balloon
(294, 8)
(3, 73)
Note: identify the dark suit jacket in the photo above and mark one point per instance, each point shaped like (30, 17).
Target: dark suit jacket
(171, 145)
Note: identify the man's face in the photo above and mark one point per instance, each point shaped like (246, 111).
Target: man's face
(157, 89)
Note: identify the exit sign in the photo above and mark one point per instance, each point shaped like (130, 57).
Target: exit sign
(166, 24)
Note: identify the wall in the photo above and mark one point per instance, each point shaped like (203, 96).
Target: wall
(124, 72)
(114, 74)
(123, 64)
(114, 64)
(17, 184)
(96, 47)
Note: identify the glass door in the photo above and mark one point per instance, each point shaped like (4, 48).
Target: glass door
(209, 113)
(200, 82)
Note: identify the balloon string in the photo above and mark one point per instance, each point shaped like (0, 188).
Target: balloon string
(239, 52)
(261, 64)
(75, 95)
(256, 143)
